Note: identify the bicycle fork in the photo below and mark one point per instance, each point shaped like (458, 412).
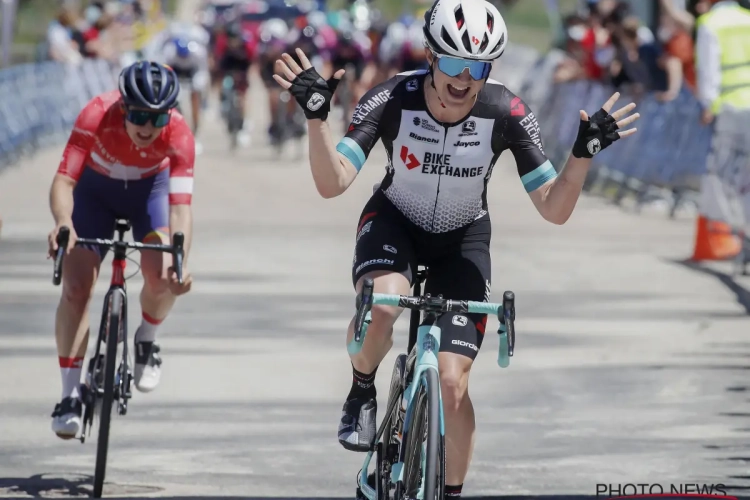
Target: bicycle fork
(94, 387)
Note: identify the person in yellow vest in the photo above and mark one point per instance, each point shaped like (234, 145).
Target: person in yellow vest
(723, 58)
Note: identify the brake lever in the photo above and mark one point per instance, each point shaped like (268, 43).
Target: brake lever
(63, 237)
(178, 254)
(364, 304)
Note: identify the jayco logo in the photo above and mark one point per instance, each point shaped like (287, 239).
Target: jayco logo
(440, 164)
(462, 144)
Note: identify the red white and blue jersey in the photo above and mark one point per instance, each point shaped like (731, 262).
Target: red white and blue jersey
(99, 141)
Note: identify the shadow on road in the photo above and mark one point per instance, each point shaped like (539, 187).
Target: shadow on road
(742, 294)
(79, 486)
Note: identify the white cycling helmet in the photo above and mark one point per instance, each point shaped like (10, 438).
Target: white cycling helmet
(274, 29)
(470, 29)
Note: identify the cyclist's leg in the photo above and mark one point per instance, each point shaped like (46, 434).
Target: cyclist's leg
(150, 219)
(80, 269)
(384, 253)
(463, 274)
(199, 86)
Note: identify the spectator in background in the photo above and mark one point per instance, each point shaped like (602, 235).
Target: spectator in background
(636, 64)
(677, 59)
(100, 43)
(723, 58)
(64, 36)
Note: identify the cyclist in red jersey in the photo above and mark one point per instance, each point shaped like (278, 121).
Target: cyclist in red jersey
(130, 155)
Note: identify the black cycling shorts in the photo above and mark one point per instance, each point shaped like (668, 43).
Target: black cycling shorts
(458, 261)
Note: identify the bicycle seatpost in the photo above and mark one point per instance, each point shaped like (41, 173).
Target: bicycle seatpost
(178, 254)
(364, 304)
(63, 236)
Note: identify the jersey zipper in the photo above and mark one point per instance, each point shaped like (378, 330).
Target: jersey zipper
(440, 177)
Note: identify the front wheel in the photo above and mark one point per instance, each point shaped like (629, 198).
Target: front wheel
(114, 319)
(424, 453)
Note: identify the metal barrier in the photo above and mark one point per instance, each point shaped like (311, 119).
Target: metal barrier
(664, 160)
(41, 102)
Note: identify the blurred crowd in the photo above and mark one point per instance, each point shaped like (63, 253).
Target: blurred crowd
(99, 29)
(607, 42)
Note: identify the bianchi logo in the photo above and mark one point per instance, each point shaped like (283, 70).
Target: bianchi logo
(372, 262)
(431, 140)
(315, 102)
(462, 144)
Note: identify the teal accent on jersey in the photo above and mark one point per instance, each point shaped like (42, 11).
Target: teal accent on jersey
(352, 151)
(539, 176)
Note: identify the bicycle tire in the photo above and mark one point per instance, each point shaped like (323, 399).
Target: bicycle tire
(114, 318)
(426, 414)
(393, 427)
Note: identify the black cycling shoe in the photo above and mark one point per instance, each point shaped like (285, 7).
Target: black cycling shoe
(357, 426)
(66, 418)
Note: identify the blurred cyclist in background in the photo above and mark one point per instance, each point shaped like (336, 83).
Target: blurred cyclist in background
(234, 60)
(186, 52)
(274, 38)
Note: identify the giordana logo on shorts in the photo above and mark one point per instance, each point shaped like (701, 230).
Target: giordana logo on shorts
(389, 248)
(462, 144)
(459, 320)
(412, 85)
(315, 102)
(417, 137)
(372, 262)
(440, 164)
(365, 229)
(594, 146)
(465, 344)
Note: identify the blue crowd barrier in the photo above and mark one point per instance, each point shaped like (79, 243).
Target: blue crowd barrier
(41, 102)
(664, 160)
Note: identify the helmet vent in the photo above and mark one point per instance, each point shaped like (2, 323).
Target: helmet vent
(485, 43)
(490, 22)
(499, 44)
(459, 13)
(466, 41)
(447, 39)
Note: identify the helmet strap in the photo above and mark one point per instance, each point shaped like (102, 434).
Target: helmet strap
(432, 82)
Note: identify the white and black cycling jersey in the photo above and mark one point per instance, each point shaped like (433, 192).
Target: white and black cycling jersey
(437, 173)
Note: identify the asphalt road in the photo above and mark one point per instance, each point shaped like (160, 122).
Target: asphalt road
(630, 366)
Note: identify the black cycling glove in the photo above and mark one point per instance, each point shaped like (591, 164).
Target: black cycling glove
(314, 93)
(595, 134)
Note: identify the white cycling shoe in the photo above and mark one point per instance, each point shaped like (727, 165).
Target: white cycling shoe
(66, 419)
(147, 371)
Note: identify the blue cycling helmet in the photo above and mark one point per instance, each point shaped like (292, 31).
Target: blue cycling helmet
(182, 46)
(149, 85)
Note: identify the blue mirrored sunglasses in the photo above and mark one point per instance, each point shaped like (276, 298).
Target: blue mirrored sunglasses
(454, 66)
(141, 117)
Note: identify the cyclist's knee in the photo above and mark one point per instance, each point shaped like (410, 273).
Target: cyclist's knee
(454, 379)
(79, 275)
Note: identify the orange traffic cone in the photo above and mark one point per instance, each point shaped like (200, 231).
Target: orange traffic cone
(714, 240)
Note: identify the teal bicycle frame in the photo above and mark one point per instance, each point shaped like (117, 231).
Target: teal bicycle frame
(426, 349)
